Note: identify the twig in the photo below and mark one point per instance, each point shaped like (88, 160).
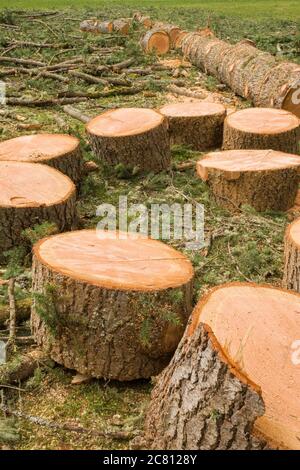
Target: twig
(88, 78)
(12, 311)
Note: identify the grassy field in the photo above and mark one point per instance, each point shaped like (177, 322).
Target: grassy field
(243, 8)
(243, 246)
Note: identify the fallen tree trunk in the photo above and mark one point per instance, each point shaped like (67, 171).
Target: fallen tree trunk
(249, 72)
(101, 306)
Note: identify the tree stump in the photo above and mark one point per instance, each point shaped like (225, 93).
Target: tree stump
(135, 137)
(291, 278)
(262, 128)
(30, 194)
(263, 179)
(156, 40)
(240, 334)
(102, 305)
(60, 151)
(199, 125)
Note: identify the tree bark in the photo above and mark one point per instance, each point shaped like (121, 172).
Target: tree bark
(249, 72)
(291, 277)
(201, 402)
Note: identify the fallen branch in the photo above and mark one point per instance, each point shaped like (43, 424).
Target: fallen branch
(88, 78)
(75, 113)
(43, 102)
(54, 76)
(185, 92)
(21, 369)
(26, 62)
(123, 65)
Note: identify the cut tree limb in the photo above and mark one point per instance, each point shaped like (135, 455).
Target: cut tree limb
(76, 113)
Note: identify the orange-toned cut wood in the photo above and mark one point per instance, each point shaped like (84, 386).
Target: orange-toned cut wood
(106, 260)
(258, 326)
(198, 124)
(61, 151)
(262, 128)
(264, 179)
(124, 319)
(30, 194)
(157, 41)
(135, 137)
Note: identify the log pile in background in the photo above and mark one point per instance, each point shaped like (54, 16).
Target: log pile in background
(206, 399)
(143, 20)
(291, 279)
(262, 128)
(263, 179)
(134, 137)
(114, 314)
(120, 25)
(30, 194)
(198, 125)
(249, 72)
(60, 151)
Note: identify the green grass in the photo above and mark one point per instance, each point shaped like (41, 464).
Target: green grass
(248, 9)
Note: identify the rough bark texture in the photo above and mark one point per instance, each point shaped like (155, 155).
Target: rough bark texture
(291, 277)
(199, 132)
(13, 220)
(200, 402)
(234, 138)
(149, 151)
(121, 26)
(21, 369)
(249, 72)
(264, 190)
(71, 164)
(123, 335)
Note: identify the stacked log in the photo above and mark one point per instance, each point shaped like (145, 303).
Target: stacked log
(121, 26)
(134, 137)
(172, 31)
(30, 194)
(291, 278)
(263, 179)
(143, 20)
(249, 72)
(111, 312)
(207, 399)
(262, 128)
(60, 151)
(156, 40)
(198, 124)
(97, 26)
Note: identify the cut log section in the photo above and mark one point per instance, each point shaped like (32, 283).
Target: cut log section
(157, 41)
(179, 39)
(262, 128)
(113, 313)
(291, 278)
(135, 137)
(240, 334)
(263, 179)
(106, 27)
(121, 26)
(144, 20)
(30, 194)
(171, 30)
(198, 125)
(249, 72)
(60, 151)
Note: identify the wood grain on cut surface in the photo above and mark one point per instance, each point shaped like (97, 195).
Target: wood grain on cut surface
(61, 151)
(257, 326)
(106, 261)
